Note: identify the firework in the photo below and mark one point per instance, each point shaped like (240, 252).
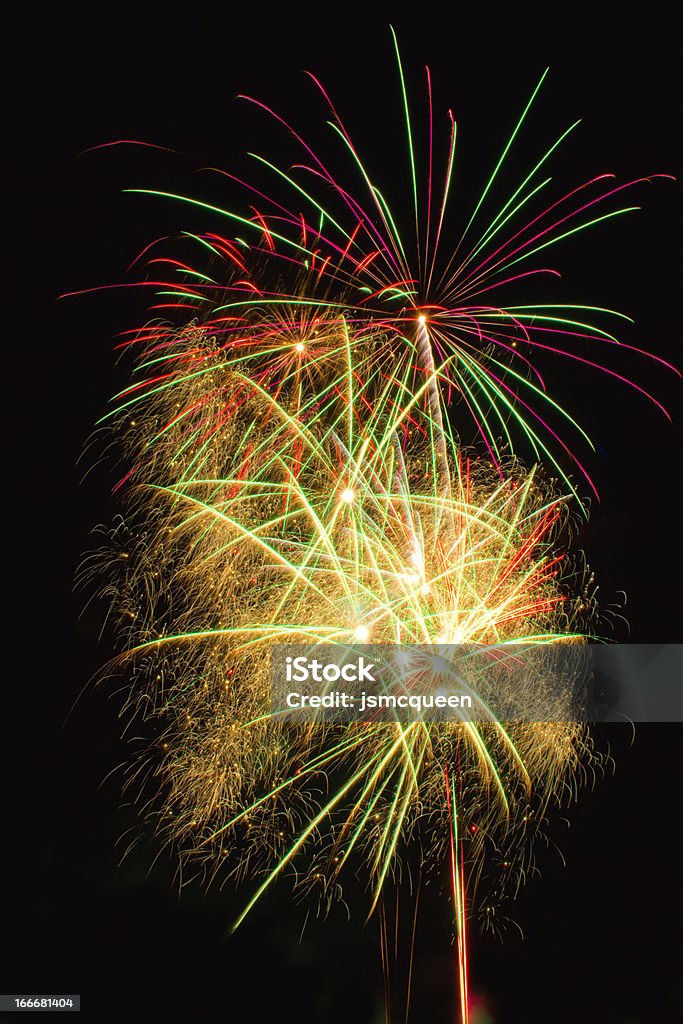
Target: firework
(309, 244)
(296, 473)
(286, 523)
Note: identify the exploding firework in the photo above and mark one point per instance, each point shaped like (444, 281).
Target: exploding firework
(308, 243)
(295, 473)
(299, 528)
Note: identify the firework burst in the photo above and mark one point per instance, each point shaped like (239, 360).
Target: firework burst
(333, 519)
(293, 474)
(308, 244)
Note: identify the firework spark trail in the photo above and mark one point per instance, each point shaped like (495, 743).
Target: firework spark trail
(294, 474)
(459, 901)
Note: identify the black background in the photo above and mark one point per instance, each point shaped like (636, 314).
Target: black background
(601, 933)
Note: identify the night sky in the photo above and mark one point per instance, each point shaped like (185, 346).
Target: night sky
(601, 923)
